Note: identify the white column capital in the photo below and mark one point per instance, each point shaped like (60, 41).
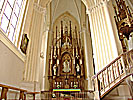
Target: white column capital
(83, 29)
(39, 8)
(105, 2)
(51, 32)
(88, 11)
(97, 6)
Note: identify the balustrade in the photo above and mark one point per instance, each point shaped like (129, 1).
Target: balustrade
(114, 73)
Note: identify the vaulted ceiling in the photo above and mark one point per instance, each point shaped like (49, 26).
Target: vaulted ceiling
(88, 3)
(58, 7)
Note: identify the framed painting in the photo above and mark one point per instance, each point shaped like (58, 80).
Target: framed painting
(24, 43)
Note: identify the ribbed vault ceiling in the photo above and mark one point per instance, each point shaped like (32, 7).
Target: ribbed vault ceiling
(88, 3)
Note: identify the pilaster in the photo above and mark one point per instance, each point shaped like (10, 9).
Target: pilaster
(102, 33)
(32, 64)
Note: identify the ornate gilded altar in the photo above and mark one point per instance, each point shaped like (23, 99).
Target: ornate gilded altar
(124, 21)
(66, 68)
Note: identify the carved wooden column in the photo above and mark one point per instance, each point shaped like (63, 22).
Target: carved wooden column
(70, 32)
(74, 60)
(61, 32)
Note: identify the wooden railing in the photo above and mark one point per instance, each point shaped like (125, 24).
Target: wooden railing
(113, 74)
(22, 93)
(83, 95)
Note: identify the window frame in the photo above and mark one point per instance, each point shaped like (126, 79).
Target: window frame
(11, 25)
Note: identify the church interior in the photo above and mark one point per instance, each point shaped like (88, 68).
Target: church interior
(66, 50)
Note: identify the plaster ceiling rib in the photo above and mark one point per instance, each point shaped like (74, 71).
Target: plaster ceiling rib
(95, 2)
(85, 3)
(90, 3)
(38, 1)
(77, 10)
(52, 21)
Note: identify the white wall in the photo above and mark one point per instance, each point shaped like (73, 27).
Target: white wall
(11, 66)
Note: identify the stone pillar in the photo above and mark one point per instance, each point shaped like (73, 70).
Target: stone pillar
(104, 44)
(96, 92)
(110, 28)
(44, 75)
(32, 64)
(88, 58)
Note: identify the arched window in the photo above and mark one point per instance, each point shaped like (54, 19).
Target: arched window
(11, 13)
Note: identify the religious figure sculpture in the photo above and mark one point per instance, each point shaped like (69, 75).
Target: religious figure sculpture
(78, 68)
(54, 69)
(66, 44)
(66, 65)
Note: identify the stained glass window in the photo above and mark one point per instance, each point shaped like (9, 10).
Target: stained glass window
(11, 32)
(4, 23)
(11, 2)
(8, 11)
(1, 4)
(10, 14)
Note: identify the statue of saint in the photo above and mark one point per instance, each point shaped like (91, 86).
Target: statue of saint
(66, 44)
(54, 69)
(66, 65)
(78, 68)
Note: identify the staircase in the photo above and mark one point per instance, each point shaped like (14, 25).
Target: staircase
(121, 92)
(113, 74)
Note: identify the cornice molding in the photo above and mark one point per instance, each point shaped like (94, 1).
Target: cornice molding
(100, 4)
